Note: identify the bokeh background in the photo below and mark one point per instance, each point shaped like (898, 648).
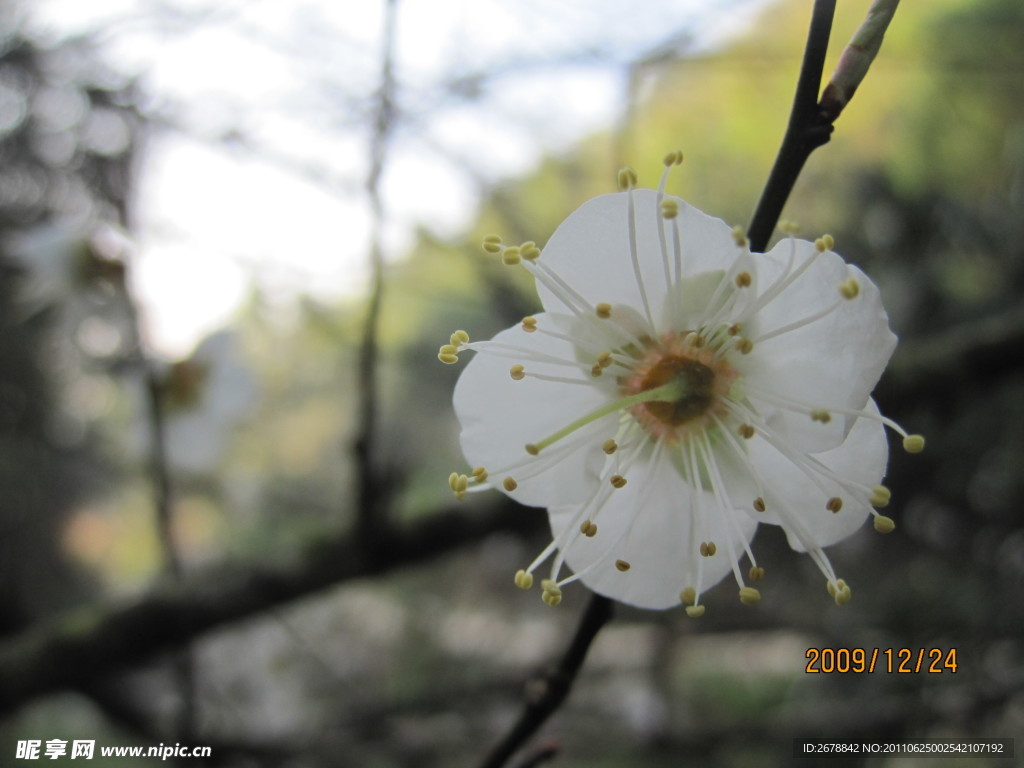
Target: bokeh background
(220, 526)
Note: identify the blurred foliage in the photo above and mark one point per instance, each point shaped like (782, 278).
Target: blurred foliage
(921, 185)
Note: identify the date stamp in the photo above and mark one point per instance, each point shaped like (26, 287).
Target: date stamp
(997, 748)
(903, 661)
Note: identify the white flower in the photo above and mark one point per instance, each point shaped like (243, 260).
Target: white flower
(205, 397)
(677, 391)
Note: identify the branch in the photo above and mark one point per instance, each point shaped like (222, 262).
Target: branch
(370, 522)
(807, 129)
(88, 646)
(556, 686)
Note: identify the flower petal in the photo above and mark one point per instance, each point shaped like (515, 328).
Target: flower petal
(499, 416)
(834, 361)
(648, 523)
(591, 250)
(861, 458)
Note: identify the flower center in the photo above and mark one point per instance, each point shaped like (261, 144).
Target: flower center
(702, 376)
(698, 382)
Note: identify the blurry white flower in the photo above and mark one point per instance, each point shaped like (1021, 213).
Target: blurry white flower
(677, 391)
(204, 398)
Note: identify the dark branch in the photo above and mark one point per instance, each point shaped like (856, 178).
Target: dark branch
(371, 520)
(79, 650)
(556, 686)
(808, 129)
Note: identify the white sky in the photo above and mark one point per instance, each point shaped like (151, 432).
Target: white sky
(296, 78)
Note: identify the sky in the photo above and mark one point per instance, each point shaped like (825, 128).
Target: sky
(254, 172)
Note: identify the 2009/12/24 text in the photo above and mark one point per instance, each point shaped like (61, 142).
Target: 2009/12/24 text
(867, 660)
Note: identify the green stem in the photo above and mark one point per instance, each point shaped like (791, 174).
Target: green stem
(671, 392)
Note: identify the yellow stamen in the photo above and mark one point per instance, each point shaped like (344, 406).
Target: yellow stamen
(517, 372)
(610, 446)
(834, 504)
(688, 596)
(695, 611)
(849, 288)
(750, 596)
(669, 208)
(743, 280)
(756, 573)
(626, 178)
(821, 415)
(759, 505)
(511, 256)
(880, 496)
(884, 524)
(622, 565)
(618, 481)
(509, 484)
(603, 310)
(530, 324)
(523, 579)
(913, 443)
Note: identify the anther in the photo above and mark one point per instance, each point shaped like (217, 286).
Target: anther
(617, 481)
(552, 598)
(880, 496)
(622, 565)
(750, 596)
(735, 329)
(746, 431)
(849, 288)
(821, 415)
(588, 529)
(756, 573)
(788, 227)
(610, 446)
(530, 324)
(708, 548)
(511, 256)
(529, 251)
(509, 484)
(744, 346)
(669, 208)
(743, 279)
(759, 505)
(688, 596)
(596, 370)
(695, 611)
(884, 524)
(673, 158)
(834, 504)
(479, 474)
(532, 449)
(605, 359)
(842, 597)
(492, 244)
(740, 238)
(517, 372)
(459, 337)
(829, 242)
(448, 358)
(626, 178)
(913, 443)
(603, 310)
(524, 580)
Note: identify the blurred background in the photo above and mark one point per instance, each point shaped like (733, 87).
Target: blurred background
(224, 517)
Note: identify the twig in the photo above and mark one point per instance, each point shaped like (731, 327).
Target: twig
(556, 686)
(807, 130)
(371, 520)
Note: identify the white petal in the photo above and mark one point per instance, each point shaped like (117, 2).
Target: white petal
(500, 416)
(591, 250)
(833, 361)
(861, 458)
(658, 545)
